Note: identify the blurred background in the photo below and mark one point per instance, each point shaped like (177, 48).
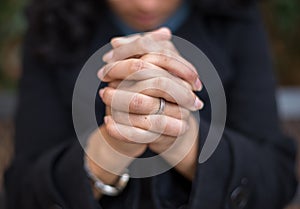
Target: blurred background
(282, 21)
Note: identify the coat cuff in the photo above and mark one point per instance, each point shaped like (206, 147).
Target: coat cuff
(70, 170)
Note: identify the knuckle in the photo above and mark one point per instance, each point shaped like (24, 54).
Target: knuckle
(169, 45)
(190, 99)
(136, 65)
(106, 95)
(191, 75)
(161, 122)
(161, 57)
(116, 115)
(184, 113)
(118, 55)
(141, 44)
(187, 85)
(147, 44)
(106, 70)
(176, 127)
(160, 83)
(182, 127)
(114, 42)
(147, 121)
(166, 53)
(110, 129)
(166, 57)
(136, 103)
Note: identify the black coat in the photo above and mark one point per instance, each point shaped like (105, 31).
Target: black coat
(253, 166)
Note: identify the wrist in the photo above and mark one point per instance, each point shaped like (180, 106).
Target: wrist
(104, 158)
(100, 187)
(184, 154)
(102, 163)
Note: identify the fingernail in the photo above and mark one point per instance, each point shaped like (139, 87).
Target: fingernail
(106, 119)
(108, 56)
(115, 42)
(101, 92)
(198, 104)
(122, 40)
(198, 84)
(100, 73)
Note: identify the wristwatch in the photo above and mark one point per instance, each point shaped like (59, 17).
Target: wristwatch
(105, 188)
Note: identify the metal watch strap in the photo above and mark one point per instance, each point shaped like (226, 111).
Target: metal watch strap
(108, 189)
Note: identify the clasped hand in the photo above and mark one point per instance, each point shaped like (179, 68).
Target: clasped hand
(140, 71)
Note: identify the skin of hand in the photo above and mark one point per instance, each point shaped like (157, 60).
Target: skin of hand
(131, 108)
(101, 159)
(132, 58)
(293, 206)
(132, 118)
(143, 81)
(155, 48)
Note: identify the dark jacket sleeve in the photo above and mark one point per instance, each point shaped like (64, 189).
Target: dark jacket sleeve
(47, 170)
(253, 166)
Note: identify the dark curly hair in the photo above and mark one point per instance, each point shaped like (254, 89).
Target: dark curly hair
(59, 30)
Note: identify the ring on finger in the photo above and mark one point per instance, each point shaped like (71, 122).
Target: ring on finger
(162, 105)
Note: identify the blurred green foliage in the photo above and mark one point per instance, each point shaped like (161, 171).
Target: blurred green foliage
(287, 15)
(282, 19)
(12, 27)
(11, 18)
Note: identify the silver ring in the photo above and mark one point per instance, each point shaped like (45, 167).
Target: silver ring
(162, 104)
